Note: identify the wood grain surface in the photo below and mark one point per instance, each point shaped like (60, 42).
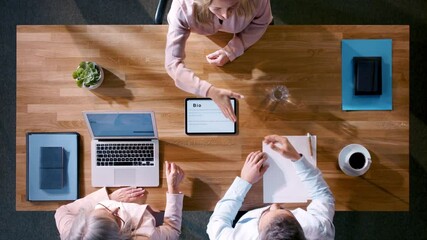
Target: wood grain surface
(305, 59)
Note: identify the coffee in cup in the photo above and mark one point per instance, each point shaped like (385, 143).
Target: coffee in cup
(354, 160)
(357, 160)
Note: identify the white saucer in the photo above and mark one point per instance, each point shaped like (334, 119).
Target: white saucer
(351, 148)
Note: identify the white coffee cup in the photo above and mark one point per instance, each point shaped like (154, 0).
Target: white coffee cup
(354, 160)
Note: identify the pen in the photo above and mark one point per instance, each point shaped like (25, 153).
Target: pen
(310, 146)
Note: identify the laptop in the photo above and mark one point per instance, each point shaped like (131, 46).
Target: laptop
(124, 149)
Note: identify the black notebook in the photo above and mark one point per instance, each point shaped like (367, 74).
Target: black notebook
(367, 76)
(51, 167)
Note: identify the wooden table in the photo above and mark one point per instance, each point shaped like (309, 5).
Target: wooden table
(306, 59)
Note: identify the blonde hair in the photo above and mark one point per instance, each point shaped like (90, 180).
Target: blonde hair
(203, 15)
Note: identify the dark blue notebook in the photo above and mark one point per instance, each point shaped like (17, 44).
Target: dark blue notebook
(52, 166)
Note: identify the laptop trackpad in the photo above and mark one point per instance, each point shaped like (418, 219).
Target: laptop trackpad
(124, 177)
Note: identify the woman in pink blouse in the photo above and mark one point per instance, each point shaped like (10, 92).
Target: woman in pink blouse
(247, 19)
(105, 216)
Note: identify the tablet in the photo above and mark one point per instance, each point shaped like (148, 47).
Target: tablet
(203, 116)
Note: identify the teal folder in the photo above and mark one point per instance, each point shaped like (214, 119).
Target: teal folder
(52, 166)
(366, 48)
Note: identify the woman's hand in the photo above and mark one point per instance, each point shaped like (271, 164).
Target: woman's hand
(174, 176)
(254, 168)
(218, 58)
(127, 194)
(221, 97)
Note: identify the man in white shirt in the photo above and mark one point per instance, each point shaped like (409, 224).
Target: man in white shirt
(274, 222)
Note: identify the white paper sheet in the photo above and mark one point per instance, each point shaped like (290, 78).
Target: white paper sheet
(281, 183)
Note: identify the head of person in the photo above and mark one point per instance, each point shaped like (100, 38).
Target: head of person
(101, 223)
(278, 223)
(206, 10)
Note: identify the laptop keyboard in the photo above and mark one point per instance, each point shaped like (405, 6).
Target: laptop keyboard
(125, 154)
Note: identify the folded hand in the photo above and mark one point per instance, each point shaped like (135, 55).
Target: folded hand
(218, 58)
(254, 167)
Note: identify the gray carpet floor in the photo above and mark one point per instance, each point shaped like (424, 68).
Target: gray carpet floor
(349, 225)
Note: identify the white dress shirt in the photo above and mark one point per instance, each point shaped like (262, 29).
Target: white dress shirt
(316, 222)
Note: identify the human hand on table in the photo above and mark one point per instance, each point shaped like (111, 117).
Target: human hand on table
(128, 194)
(283, 146)
(221, 97)
(254, 168)
(218, 58)
(174, 176)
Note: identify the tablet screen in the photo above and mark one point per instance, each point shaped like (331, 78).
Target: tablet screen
(203, 116)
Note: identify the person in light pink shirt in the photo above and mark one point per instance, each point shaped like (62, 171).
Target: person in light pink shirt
(117, 215)
(247, 19)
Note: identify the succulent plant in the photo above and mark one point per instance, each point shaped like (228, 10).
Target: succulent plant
(87, 74)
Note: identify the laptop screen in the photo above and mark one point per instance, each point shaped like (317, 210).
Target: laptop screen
(121, 125)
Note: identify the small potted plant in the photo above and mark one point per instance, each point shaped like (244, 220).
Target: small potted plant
(88, 75)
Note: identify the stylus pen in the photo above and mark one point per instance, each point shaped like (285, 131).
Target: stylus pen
(310, 145)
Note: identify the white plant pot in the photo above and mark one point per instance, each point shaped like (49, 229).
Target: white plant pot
(101, 78)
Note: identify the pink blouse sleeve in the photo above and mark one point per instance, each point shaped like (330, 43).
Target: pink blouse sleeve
(177, 36)
(171, 228)
(252, 33)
